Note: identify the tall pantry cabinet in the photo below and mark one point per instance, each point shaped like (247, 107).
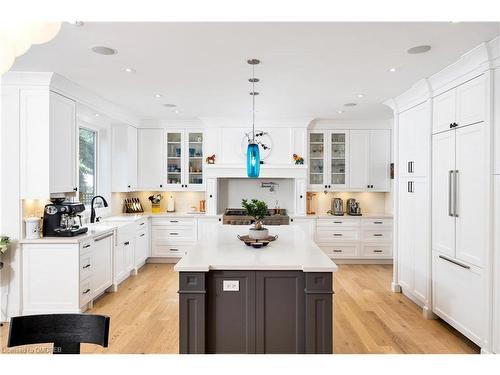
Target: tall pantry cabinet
(413, 208)
(461, 204)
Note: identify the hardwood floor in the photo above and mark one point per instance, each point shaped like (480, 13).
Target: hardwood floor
(369, 318)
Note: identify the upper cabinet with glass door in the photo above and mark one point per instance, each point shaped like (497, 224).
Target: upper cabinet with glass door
(185, 160)
(317, 172)
(328, 160)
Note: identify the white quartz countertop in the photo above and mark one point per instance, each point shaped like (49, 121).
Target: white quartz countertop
(145, 215)
(328, 216)
(93, 232)
(222, 250)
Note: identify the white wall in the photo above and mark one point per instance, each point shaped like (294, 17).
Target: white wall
(370, 203)
(184, 200)
(233, 190)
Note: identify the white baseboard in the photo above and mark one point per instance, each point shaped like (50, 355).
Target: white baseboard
(395, 287)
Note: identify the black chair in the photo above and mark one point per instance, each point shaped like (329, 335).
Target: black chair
(65, 331)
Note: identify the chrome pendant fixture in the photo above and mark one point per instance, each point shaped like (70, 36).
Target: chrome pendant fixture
(253, 153)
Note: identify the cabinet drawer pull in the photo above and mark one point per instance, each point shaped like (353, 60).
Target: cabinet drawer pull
(174, 249)
(377, 235)
(378, 222)
(142, 235)
(86, 266)
(86, 246)
(173, 233)
(86, 291)
(378, 251)
(337, 234)
(103, 237)
(337, 222)
(337, 251)
(126, 243)
(455, 262)
(142, 223)
(174, 221)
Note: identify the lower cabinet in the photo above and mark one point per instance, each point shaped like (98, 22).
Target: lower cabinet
(256, 312)
(496, 269)
(124, 253)
(308, 225)
(65, 278)
(172, 237)
(141, 249)
(459, 297)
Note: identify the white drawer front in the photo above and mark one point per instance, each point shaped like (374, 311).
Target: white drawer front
(339, 222)
(333, 235)
(170, 251)
(377, 235)
(340, 250)
(142, 224)
(85, 291)
(167, 234)
(86, 247)
(85, 265)
(173, 221)
(376, 251)
(377, 223)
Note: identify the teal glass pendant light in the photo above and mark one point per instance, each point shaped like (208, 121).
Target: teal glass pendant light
(253, 152)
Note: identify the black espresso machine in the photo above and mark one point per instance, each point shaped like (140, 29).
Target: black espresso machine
(60, 219)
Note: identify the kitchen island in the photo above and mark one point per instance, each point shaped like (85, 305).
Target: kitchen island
(237, 299)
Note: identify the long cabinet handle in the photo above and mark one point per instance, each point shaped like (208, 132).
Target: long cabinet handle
(451, 200)
(103, 237)
(455, 195)
(455, 262)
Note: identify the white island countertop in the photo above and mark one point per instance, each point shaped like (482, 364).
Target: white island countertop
(222, 250)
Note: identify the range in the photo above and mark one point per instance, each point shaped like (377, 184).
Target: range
(238, 216)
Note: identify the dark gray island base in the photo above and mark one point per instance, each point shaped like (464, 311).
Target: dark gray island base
(271, 312)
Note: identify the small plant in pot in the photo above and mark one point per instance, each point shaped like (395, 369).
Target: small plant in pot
(257, 210)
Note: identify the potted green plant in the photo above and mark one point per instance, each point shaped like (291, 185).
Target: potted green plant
(257, 210)
(4, 245)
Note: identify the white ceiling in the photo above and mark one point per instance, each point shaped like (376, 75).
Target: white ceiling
(307, 70)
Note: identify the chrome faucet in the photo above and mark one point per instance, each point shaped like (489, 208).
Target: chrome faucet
(92, 209)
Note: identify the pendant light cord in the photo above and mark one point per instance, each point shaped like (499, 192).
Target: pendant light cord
(253, 103)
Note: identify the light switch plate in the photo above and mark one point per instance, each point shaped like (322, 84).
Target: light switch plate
(231, 285)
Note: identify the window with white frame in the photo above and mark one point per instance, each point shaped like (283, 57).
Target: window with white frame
(87, 164)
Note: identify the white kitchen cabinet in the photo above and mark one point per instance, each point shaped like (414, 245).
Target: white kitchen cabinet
(62, 144)
(414, 238)
(124, 253)
(414, 137)
(141, 248)
(461, 106)
(496, 118)
(359, 160)
(460, 193)
(47, 147)
(185, 160)
(124, 158)
(459, 296)
(496, 267)
(172, 237)
(308, 225)
(369, 160)
(328, 160)
(207, 227)
(102, 263)
(211, 196)
(151, 160)
(300, 196)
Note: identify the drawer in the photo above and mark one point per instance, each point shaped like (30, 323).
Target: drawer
(142, 233)
(85, 265)
(141, 224)
(85, 291)
(170, 251)
(341, 250)
(376, 223)
(333, 235)
(171, 221)
(377, 235)
(86, 247)
(167, 234)
(339, 222)
(376, 251)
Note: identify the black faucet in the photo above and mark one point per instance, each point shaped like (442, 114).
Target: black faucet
(92, 210)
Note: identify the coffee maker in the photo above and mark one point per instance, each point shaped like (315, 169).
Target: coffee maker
(337, 207)
(353, 208)
(59, 219)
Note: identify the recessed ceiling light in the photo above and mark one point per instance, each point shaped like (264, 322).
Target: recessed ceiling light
(102, 50)
(176, 111)
(129, 70)
(419, 49)
(392, 70)
(340, 111)
(350, 104)
(97, 115)
(361, 96)
(169, 105)
(158, 95)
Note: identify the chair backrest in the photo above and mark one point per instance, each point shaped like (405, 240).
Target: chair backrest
(65, 331)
